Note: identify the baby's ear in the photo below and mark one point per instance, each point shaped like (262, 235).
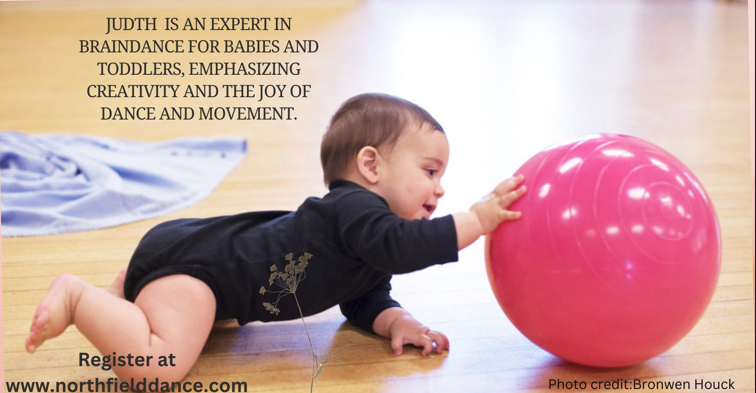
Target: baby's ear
(367, 164)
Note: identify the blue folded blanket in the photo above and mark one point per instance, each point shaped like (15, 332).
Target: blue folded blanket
(56, 183)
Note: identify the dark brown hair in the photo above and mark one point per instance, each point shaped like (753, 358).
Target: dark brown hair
(370, 119)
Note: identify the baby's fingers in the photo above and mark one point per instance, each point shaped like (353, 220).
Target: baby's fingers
(421, 341)
(508, 185)
(397, 342)
(442, 342)
(427, 343)
(506, 215)
(512, 196)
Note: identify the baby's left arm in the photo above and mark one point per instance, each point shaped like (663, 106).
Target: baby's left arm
(399, 325)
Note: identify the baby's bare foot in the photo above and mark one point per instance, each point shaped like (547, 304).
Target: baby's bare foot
(116, 288)
(55, 313)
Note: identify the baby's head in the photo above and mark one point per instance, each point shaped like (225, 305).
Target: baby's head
(391, 147)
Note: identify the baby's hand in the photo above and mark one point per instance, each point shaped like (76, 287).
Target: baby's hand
(492, 209)
(408, 330)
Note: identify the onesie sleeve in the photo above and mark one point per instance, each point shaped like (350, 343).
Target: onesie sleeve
(370, 231)
(363, 311)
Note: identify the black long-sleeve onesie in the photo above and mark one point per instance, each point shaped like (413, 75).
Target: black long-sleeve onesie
(356, 243)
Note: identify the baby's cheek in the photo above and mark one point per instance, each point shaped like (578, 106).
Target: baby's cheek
(419, 191)
(416, 196)
(409, 193)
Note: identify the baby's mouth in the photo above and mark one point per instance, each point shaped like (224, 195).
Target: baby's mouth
(429, 208)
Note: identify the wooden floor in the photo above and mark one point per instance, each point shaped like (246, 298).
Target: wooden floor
(505, 79)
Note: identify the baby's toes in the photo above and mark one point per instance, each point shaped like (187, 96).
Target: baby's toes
(41, 321)
(32, 343)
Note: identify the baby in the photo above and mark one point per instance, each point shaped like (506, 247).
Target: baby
(383, 159)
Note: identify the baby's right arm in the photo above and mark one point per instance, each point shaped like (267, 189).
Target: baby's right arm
(488, 213)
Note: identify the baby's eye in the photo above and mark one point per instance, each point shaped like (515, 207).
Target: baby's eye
(431, 171)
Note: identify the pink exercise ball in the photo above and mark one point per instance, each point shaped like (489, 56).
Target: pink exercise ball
(616, 255)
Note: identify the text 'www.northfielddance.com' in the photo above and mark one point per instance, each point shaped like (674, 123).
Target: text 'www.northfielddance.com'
(114, 385)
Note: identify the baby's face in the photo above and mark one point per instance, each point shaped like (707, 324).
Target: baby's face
(411, 178)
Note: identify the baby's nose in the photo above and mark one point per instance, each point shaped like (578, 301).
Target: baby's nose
(439, 191)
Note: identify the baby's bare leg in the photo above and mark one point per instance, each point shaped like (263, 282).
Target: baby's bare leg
(116, 287)
(171, 316)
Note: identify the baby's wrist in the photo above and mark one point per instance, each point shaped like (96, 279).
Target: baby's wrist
(469, 228)
(480, 212)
